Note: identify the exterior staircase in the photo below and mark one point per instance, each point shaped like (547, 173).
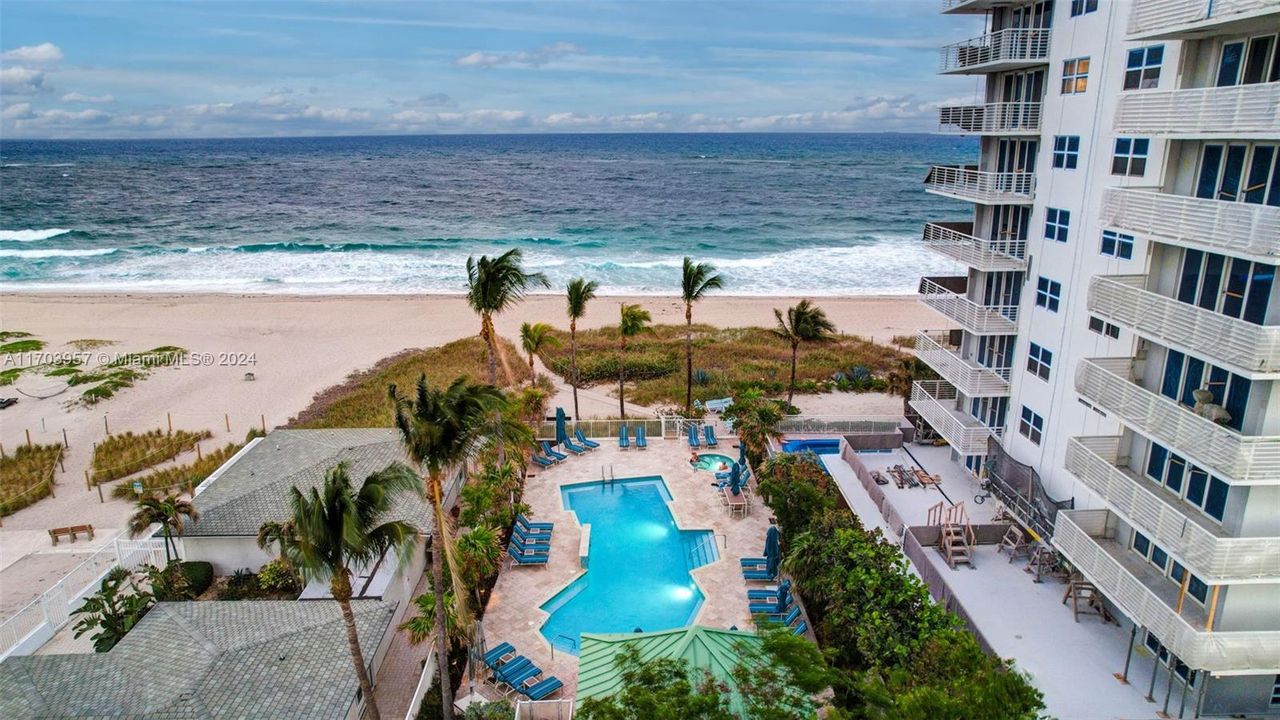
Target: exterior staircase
(956, 536)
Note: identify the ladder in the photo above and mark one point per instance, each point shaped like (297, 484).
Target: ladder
(955, 546)
(1014, 541)
(1078, 590)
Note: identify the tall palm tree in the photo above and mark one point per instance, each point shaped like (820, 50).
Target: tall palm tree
(579, 292)
(633, 321)
(803, 322)
(440, 427)
(479, 555)
(493, 285)
(273, 532)
(338, 527)
(534, 337)
(171, 512)
(696, 281)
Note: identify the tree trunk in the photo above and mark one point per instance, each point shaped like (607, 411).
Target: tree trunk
(622, 404)
(573, 354)
(486, 334)
(437, 587)
(531, 378)
(791, 389)
(688, 359)
(340, 588)
(168, 540)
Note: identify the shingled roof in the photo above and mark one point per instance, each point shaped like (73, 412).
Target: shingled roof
(205, 660)
(254, 487)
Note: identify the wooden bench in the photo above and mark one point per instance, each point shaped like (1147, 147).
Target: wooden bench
(70, 532)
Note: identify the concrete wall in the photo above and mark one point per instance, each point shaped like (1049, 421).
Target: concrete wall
(227, 553)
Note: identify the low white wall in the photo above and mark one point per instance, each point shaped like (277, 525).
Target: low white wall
(227, 553)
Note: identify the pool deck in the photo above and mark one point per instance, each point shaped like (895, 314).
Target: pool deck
(513, 614)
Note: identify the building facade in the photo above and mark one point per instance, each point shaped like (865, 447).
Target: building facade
(1119, 319)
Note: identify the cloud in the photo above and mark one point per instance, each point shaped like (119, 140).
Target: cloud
(82, 98)
(17, 111)
(523, 58)
(432, 100)
(42, 53)
(19, 80)
(338, 114)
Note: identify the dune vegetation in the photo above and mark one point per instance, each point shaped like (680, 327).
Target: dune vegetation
(25, 475)
(127, 453)
(180, 478)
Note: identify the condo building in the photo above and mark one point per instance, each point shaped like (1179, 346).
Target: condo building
(1115, 378)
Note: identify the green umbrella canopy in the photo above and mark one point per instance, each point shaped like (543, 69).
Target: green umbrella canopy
(703, 648)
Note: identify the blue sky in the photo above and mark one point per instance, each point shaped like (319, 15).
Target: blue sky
(111, 69)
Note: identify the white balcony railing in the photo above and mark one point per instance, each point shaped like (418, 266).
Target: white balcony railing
(966, 375)
(1124, 300)
(1239, 111)
(1236, 458)
(1003, 118)
(991, 188)
(935, 400)
(955, 241)
(1169, 18)
(977, 319)
(1001, 50)
(1217, 225)
(1079, 535)
(1175, 526)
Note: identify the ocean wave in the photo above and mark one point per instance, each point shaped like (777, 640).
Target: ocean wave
(31, 235)
(38, 254)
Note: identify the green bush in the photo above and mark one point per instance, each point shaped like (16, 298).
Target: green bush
(199, 576)
(603, 366)
(242, 585)
(277, 575)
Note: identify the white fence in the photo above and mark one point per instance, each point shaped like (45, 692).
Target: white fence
(981, 186)
(544, 709)
(1002, 118)
(1238, 111)
(1018, 46)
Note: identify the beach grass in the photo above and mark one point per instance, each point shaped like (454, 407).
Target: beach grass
(85, 344)
(25, 475)
(21, 346)
(726, 361)
(127, 453)
(179, 477)
(361, 400)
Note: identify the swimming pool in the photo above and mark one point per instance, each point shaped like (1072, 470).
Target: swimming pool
(820, 446)
(713, 461)
(638, 569)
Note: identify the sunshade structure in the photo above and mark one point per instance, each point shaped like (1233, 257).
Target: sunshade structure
(704, 649)
(735, 479)
(562, 433)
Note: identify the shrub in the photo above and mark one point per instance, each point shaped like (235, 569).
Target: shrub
(179, 477)
(496, 710)
(127, 453)
(199, 576)
(242, 585)
(169, 583)
(25, 475)
(277, 575)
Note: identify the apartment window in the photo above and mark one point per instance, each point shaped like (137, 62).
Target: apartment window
(1056, 224)
(1192, 484)
(1240, 172)
(1130, 157)
(1249, 61)
(1066, 151)
(1031, 425)
(1275, 692)
(1048, 293)
(1117, 245)
(1075, 76)
(1161, 652)
(1231, 286)
(1080, 7)
(1097, 325)
(1174, 570)
(1039, 361)
(1142, 71)
(1184, 374)
(1196, 587)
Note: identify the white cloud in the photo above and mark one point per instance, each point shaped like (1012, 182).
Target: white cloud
(432, 100)
(18, 80)
(17, 111)
(338, 114)
(42, 53)
(58, 115)
(81, 97)
(523, 58)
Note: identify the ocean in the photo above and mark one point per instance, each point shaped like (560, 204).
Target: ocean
(778, 214)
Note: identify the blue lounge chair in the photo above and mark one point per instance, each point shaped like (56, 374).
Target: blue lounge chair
(584, 440)
(769, 593)
(514, 667)
(551, 452)
(504, 652)
(642, 442)
(789, 619)
(624, 440)
(753, 562)
(529, 550)
(801, 629)
(709, 433)
(766, 608)
(534, 528)
(758, 575)
(575, 449)
(528, 538)
(541, 461)
(520, 559)
(516, 678)
(693, 438)
(543, 689)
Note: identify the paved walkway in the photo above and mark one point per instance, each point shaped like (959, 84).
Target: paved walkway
(401, 669)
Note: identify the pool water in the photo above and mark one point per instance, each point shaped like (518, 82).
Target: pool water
(713, 461)
(818, 446)
(638, 568)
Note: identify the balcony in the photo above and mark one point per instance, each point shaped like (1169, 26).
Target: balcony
(966, 375)
(1238, 112)
(1175, 526)
(1227, 227)
(935, 400)
(1124, 300)
(954, 239)
(1236, 458)
(988, 188)
(977, 7)
(1184, 19)
(946, 295)
(1086, 538)
(1008, 49)
(1004, 118)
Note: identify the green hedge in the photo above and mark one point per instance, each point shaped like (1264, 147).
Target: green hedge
(199, 576)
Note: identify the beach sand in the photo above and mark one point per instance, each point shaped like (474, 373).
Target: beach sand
(300, 346)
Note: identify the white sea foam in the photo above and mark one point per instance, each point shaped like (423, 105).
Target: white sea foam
(31, 235)
(36, 254)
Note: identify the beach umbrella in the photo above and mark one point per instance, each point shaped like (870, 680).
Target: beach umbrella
(562, 433)
(735, 479)
(772, 552)
(742, 453)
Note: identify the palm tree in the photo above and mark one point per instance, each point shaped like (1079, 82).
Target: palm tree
(277, 533)
(755, 420)
(579, 292)
(493, 285)
(169, 512)
(804, 322)
(634, 320)
(533, 338)
(696, 280)
(479, 555)
(340, 526)
(440, 427)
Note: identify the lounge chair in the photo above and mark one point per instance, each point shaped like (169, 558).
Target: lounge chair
(754, 562)
(543, 689)
(693, 437)
(789, 619)
(584, 440)
(624, 440)
(769, 593)
(801, 629)
(642, 441)
(534, 528)
(718, 405)
(709, 433)
(516, 678)
(500, 654)
(551, 452)
(520, 559)
(528, 538)
(541, 461)
(512, 668)
(758, 575)
(575, 449)
(529, 549)
(766, 608)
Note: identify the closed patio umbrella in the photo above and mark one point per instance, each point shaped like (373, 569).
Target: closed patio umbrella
(735, 479)
(784, 597)
(742, 453)
(562, 433)
(772, 551)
